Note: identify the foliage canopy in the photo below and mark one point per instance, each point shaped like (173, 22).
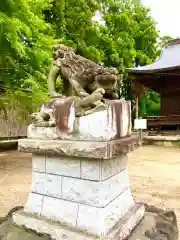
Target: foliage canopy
(126, 36)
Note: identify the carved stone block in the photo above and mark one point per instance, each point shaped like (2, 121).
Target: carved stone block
(60, 210)
(93, 193)
(38, 163)
(83, 184)
(62, 166)
(112, 123)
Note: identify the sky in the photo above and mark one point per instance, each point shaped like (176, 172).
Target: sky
(167, 15)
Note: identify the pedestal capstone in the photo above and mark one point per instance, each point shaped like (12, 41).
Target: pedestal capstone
(80, 186)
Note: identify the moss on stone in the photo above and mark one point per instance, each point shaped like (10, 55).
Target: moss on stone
(8, 231)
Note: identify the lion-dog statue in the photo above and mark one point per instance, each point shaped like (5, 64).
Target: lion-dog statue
(93, 83)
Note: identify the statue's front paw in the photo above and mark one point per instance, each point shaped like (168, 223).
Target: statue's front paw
(52, 123)
(40, 121)
(100, 90)
(95, 104)
(83, 94)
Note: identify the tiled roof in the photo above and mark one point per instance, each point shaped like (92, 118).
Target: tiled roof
(169, 60)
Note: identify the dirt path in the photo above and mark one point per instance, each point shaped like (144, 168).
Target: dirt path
(15, 179)
(154, 177)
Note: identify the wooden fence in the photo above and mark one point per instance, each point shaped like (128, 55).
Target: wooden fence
(11, 126)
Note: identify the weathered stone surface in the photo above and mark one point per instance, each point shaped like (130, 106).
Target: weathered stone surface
(81, 74)
(56, 230)
(99, 170)
(99, 221)
(34, 204)
(86, 149)
(84, 184)
(63, 166)
(87, 218)
(46, 184)
(166, 224)
(90, 196)
(102, 125)
(91, 169)
(8, 231)
(53, 230)
(38, 163)
(79, 190)
(64, 148)
(59, 210)
(95, 169)
(110, 167)
(47, 230)
(124, 145)
(92, 193)
(94, 127)
(123, 228)
(41, 132)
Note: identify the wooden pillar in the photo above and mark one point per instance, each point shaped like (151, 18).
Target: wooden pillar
(137, 105)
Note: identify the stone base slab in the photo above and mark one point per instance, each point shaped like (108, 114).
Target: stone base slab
(88, 195)
(85, 149)
(56, 231)
(83, 185)
(90, 219)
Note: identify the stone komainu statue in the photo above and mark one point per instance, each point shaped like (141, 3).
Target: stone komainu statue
(84, 75)
(92, 83)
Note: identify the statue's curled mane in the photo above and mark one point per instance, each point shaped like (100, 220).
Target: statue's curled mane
(66, 56)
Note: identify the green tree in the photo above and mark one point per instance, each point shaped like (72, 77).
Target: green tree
(73, 25)
(126, 37)
(152, 103)
(25, 41)
(145, 36)
(129, 37)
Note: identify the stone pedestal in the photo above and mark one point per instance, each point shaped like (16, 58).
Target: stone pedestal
(80, 186)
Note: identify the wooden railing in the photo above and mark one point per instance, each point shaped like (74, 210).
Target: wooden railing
(159, 121)
(10, 126)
